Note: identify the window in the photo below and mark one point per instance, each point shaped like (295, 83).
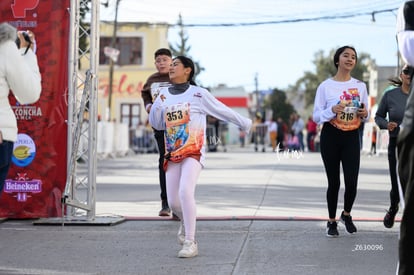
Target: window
(130, 50)
(130, 114)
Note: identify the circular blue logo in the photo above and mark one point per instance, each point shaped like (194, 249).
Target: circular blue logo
(24, 150)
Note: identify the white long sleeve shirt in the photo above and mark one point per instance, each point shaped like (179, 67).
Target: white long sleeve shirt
(183, 117)
(349, 93)
(18, 73)
(405, 32)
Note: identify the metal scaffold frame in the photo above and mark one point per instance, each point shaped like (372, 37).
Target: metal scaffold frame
(81, 116)
(79, 196)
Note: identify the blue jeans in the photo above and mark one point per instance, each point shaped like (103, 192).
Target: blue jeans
(301, 144)
(6, 150)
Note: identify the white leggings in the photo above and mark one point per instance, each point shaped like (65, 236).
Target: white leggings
(181, 181)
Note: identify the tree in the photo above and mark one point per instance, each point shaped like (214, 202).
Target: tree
(324, 68)
(277, 102)
(182, 47)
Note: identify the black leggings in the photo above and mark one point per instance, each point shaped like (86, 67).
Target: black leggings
(159, 137)
(392, 162)
(340, 147)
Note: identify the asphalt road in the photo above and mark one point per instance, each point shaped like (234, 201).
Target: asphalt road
(258, 213)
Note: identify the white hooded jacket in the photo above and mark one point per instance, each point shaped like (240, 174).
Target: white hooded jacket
(405, 32)
(18, 73)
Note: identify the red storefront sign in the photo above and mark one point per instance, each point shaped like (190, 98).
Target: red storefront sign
(234, 101)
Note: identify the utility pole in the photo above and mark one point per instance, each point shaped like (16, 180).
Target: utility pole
(256, 83)
(111, 62)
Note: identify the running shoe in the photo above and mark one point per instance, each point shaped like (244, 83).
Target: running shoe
(349, 225)
(189, 250)
(390, 217)
(165, 209)
(332, 230)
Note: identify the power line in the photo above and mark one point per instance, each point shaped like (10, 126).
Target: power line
(210, 11)
(284, 21)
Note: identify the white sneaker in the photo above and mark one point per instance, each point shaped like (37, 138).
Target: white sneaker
(189, 249)
(181, 234)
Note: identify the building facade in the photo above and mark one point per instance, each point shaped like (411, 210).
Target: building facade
(136, 43)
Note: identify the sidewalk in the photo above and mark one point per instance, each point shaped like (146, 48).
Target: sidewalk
(242, 183)
(259, 213)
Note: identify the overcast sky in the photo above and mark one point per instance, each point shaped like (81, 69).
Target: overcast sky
(273, 39)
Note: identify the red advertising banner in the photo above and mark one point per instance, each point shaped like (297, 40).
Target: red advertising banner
(37, 177)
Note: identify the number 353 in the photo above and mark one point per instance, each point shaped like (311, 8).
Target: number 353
(174, 115)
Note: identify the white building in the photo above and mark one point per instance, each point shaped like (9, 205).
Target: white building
(236, 98)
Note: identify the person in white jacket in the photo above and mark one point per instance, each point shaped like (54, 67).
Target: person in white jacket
(19, 73)
(181, 111)
(405, 143)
